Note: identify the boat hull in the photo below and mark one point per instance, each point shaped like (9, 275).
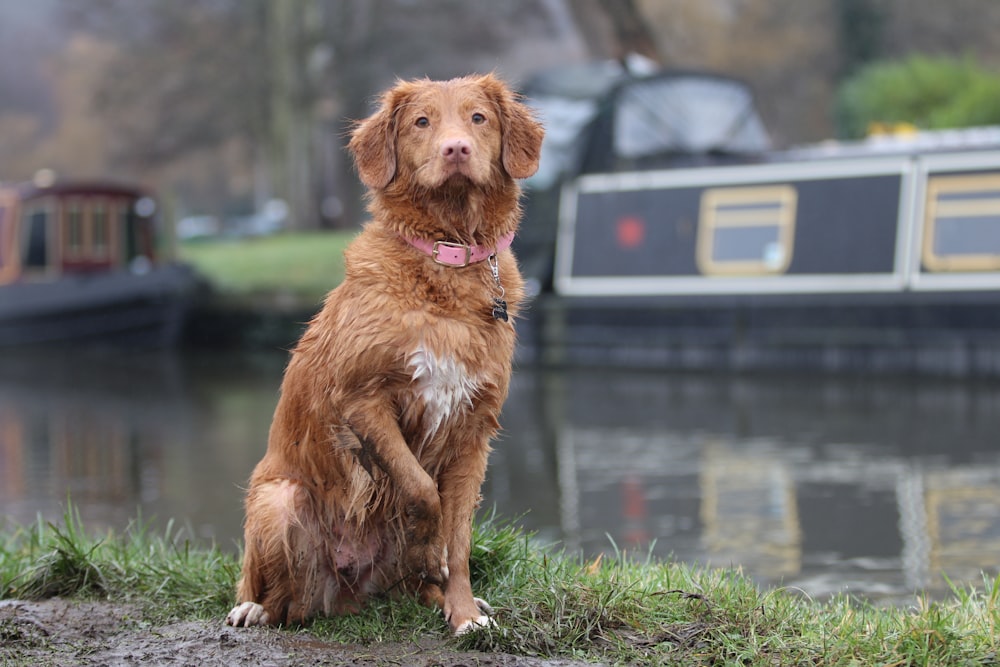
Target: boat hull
(948, 334)
(112, 308)
(887, 264)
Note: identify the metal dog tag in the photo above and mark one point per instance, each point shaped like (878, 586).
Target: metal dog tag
(499, 309)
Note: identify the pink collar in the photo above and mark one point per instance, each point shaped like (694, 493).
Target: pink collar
(459, 254)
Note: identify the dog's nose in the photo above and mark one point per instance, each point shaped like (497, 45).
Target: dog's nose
(456, 150)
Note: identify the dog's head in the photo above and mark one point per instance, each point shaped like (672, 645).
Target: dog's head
(431, 132)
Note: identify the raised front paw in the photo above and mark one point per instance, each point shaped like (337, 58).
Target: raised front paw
(428, 562)
(247, 614)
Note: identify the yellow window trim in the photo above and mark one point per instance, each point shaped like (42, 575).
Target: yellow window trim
(944, 185)
(781, 217)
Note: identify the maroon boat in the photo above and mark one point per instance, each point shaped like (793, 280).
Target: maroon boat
(80, 262)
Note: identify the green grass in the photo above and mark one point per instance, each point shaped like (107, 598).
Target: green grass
(302, 265)
(49, 560)
(616, 610)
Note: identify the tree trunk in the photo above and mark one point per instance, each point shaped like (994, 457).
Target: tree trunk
(288, 26)
(632, 32)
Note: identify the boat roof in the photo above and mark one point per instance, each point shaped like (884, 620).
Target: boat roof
(908, 142)
(601, 112)
(27, 191)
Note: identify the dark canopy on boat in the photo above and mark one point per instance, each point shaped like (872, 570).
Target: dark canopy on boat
(600, 117)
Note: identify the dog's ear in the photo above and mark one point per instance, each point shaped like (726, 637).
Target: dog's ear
(521, 134)
(373, 144)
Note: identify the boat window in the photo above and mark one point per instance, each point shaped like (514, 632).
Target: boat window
(99, 231)
(962, 223)
(36, 251)
(74, 236)
(746, 230)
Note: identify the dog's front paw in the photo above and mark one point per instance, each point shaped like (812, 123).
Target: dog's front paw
(467, 618)
(247, 614)
(474, 624)
(429, 563)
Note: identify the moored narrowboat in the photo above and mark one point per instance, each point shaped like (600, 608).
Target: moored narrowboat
(881, 255)
(79, 262)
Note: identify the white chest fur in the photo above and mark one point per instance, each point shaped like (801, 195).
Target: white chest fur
(443, 385)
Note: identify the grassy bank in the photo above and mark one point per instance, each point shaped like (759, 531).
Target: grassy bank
(547, 604)
(303, 265)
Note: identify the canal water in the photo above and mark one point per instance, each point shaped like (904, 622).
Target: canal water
(872, 487)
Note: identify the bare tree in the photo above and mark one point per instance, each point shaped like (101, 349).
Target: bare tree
(785, 49)
(957, 27)
(176, 84)
(612, 29)
(631, 29)
(285, 79)
(268, 87)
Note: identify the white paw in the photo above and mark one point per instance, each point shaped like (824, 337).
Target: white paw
(475, 624)
(247, 614)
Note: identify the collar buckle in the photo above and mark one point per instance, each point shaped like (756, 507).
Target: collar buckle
(454, 260)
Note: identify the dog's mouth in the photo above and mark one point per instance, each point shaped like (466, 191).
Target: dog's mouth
(455, 187)
(448, 176)
(464, 172)
(452, 184)
(458, 177)
(457, 173)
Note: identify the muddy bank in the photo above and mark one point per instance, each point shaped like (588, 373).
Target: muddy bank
(67, 632)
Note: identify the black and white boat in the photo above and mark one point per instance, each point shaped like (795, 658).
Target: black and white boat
(694, 246)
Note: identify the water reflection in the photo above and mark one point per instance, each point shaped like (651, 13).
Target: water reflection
(875, 487)
(165, 436)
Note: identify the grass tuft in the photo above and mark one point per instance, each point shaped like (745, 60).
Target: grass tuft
(165, 573)
(547, 603)
(63, 563)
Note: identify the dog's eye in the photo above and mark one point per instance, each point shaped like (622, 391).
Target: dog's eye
(422, 122)
(478, 118)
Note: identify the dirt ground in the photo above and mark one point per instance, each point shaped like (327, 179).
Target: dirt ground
(61, 632)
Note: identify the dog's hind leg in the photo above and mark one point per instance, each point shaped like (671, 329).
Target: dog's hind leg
(284, 576)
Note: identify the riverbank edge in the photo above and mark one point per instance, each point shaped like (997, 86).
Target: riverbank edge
(549, 605)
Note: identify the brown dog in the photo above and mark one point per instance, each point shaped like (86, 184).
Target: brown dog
(379, 442)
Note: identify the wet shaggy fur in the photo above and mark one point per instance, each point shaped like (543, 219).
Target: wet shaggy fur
(379, 442)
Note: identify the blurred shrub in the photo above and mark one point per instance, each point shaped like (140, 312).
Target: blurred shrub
(928, 92)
